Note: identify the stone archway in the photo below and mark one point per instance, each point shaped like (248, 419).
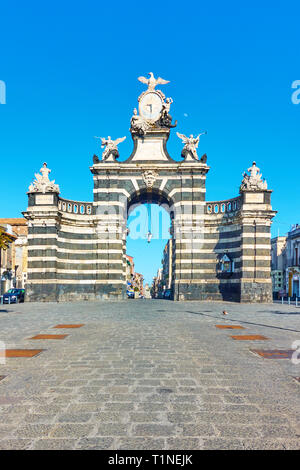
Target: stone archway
(77, 249)
(155, 225)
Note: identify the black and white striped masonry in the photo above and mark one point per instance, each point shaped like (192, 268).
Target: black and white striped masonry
(221, 249)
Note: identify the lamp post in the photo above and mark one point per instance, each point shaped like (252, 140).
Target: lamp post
(16, 269)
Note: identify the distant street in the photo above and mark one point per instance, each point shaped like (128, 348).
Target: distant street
(149, 374)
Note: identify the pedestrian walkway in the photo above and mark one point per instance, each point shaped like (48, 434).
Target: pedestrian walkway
(150, 374)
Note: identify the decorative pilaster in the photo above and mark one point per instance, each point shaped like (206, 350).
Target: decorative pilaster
(43, 226)
(255, 218)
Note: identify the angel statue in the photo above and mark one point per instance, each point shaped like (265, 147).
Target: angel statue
(190, 145)
(110, 146)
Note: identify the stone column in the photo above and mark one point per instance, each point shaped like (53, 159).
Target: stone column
(110, 208)
(43, 222)
(255, 275)
(189, 262)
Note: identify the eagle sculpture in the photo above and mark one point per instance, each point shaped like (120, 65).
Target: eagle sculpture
(152, 82)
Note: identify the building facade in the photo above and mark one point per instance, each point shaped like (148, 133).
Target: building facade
(286, 263)
(292, 260)
(77, 250)
(14, 259)
(157, 285)
(167, 265)
(278, 266)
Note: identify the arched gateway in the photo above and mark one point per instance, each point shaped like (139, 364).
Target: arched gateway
(221, 249)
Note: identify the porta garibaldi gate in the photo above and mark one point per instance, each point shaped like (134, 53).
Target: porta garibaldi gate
(221, 249)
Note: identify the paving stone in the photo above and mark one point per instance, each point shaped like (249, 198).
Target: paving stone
(273, 430)
(151, 407)
(119, 406)
(54, 444)
(222, 444)
(39, 418)
(141, 444)
(199, 430)
(84, 408)
(71, 430)
(15, 444)
(73, 418)
(258, 444)
(184, 407)
(113, 429)
(143, 417)
(96, 443)
(33, 430)
(153, 430)
(230, 430)
(180, 417)
(184, 444)
(110, 417)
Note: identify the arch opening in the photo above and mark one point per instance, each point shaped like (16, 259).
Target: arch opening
(149, 260)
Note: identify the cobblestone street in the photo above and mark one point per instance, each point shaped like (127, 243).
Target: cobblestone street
(149, 374)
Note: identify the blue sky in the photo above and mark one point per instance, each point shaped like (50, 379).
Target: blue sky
(71, 71)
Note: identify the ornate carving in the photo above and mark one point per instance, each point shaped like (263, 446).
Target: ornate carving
(139, 125)
(189, 151)
(165, 118)
(42, 183)
(149, 177)
(154, 108)
(111, 151)
(254, 180)
(152, 82)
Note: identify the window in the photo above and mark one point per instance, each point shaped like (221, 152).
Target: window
(226, 265)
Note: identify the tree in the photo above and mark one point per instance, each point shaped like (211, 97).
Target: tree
(5, 239)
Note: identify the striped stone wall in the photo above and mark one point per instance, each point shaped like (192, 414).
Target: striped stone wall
(76, 250)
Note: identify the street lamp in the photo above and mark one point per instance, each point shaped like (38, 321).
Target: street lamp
(16, 268)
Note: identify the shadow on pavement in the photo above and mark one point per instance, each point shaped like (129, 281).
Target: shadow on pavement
(243, 321)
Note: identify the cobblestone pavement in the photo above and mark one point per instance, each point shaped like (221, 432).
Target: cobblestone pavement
(149, 374)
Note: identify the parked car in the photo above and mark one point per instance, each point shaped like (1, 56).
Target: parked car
(14, 296)
(130, 294)
(167, 294)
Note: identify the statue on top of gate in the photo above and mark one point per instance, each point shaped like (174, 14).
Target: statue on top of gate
(154, 108)
(152, 81)
(42, 182)
(254, 180)
(189, 151)
(111, 151)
